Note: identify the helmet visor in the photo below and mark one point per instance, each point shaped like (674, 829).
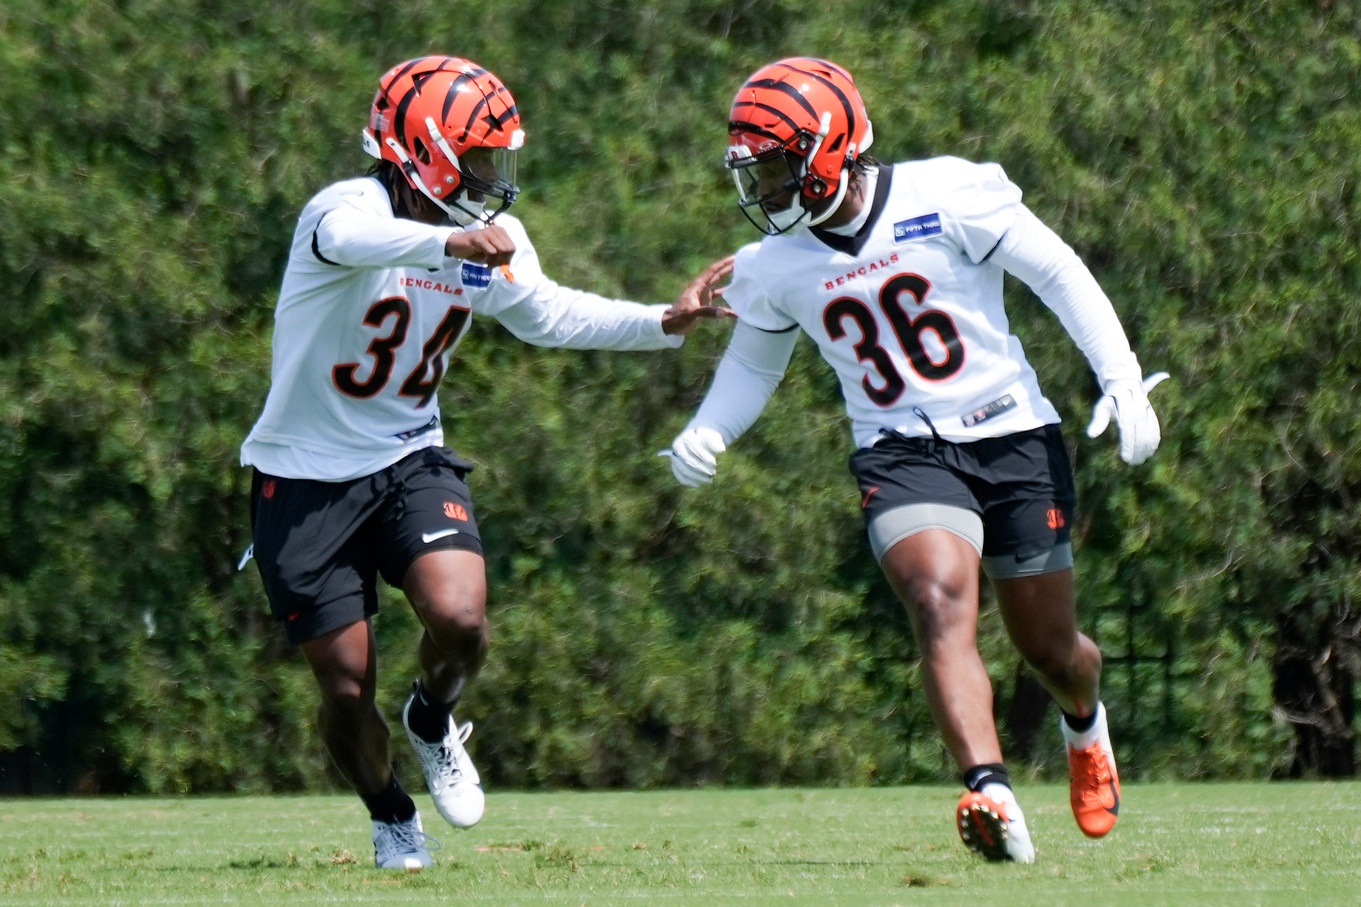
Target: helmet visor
(768, 181)
(768, 190)
(489, 173)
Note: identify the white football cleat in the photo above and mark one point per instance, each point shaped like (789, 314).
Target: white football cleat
(449, 773)
(402, 845)
(990, 823)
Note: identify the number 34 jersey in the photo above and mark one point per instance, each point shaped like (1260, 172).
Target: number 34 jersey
(369, 312)
(909, 310)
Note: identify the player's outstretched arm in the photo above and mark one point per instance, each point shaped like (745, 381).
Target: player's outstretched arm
(1038, 257)
(697, 300)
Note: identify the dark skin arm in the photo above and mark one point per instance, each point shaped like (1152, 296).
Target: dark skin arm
(696, 301)
(490, 246)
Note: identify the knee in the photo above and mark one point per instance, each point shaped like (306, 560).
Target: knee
(940, 608)
(344, 695)
(455, 620)
(1055, 660)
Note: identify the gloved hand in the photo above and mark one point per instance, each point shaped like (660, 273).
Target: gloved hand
(694, 456)
(1127, 401)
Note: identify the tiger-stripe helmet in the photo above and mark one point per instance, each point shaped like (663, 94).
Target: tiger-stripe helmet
(429, 114)
(807, 113)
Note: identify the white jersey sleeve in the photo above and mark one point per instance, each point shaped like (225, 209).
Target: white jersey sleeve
(747, 295)
(538, 310)
(354, 227)
(1044, 262)
(983, 204)
(750, 371)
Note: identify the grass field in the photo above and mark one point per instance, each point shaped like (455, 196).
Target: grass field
(1239, 844)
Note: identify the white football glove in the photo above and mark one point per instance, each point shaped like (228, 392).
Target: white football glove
(1127, 401)
(694, 456)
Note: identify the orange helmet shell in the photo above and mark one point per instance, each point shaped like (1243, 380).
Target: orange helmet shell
(784, 107)
(429, 111)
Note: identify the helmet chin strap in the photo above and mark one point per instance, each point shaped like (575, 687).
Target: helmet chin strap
(466, 213)
(824, 127)
(456, 212)
(835, 203)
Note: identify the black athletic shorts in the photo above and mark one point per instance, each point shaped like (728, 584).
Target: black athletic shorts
(1021, 485)
(320, 546)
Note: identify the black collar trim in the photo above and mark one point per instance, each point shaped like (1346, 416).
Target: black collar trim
(851, 245)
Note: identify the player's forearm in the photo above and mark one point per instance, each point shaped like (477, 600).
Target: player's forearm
(748, 375)
(1044, 262)
(557, 316)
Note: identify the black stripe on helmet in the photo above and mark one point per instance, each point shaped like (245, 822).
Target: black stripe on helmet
(752, 128)
(780, 114)
(492, 119)
(399, 115)
(841, 95)
(783, 88)
(451, 93)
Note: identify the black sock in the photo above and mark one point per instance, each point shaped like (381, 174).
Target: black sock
(1078, 725)
(391, 804)
(988, 773)
(428, 719)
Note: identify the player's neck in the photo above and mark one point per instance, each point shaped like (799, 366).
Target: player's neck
(851, 204)
(854, 208)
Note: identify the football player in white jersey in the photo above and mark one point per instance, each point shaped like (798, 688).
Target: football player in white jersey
(895, 272)
(351, 477)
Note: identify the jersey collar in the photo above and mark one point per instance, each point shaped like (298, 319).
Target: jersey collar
(851, 245)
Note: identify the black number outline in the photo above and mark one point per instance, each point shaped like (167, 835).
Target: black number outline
(382, 349)
(432, 357)
(906, 329)
(424, 380)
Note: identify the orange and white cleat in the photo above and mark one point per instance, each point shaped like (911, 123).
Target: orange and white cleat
(990, 823)
(1095, 784)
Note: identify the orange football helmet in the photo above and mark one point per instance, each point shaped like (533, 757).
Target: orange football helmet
(453, 130)
(796, 128)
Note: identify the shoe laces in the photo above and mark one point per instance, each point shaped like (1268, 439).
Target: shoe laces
(1093, 767)
(404, 837)
(444, 756)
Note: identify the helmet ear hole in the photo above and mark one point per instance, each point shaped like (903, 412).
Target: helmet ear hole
(420, 151)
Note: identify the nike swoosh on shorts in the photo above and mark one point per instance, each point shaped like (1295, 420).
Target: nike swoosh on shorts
(429, 537)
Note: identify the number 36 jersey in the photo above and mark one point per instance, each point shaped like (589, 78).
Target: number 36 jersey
(909, 310)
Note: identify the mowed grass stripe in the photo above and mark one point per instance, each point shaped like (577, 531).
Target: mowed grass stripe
(1200, 844)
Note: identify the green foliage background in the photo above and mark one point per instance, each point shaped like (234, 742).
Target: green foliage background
(1200, 156)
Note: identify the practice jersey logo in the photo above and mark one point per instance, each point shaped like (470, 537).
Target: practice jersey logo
(916, 228)
(475, 276)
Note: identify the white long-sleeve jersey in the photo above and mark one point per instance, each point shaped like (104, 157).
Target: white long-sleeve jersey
(909, 313)
(370, 311)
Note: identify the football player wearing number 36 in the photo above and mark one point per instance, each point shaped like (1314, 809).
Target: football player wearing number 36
(895, 272)
(352, 480)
